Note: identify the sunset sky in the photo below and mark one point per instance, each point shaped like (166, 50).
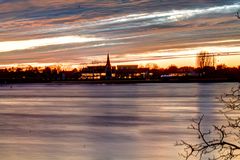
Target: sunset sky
(81, 32)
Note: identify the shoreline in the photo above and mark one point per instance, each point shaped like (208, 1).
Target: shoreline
(192, 80)
(142, 81)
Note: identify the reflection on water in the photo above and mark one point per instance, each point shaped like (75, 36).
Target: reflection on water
(102, 122)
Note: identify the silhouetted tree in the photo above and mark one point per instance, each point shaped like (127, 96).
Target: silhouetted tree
(172, 69)
(152, 66)
(205, 59)
(220, 142)
(47, 73)
(221, 67)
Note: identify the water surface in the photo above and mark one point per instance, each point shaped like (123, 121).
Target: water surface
(103, 122)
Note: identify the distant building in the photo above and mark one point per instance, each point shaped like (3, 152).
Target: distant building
(108, 72)
(98, 72)
(127, 67)
(93, 72)
(131, 72)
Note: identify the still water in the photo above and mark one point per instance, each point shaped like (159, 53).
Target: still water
(103, 122)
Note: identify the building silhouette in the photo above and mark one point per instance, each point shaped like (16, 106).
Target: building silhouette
(109, 72)
(108, 68)
(99, 72)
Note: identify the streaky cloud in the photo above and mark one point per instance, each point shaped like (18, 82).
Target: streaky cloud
(146, 19)
(170, 16)
(8, 46)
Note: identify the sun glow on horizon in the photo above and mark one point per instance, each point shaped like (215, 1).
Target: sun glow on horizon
(164, 58)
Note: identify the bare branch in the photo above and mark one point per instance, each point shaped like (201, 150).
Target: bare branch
(220, 142)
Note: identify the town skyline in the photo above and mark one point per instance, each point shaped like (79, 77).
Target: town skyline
(81, 33)
(205, 72)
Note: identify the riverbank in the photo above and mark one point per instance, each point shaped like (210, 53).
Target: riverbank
(126, 81)
(172, 80)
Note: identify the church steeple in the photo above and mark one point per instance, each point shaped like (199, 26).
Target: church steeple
(108, 61)
(108, 68)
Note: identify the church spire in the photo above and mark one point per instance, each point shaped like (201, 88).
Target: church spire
(108, 68)
(108, 61)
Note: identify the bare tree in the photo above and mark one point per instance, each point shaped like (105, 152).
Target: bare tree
(220, 142)
(205, 59)
(237, 15)
(152, 66)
